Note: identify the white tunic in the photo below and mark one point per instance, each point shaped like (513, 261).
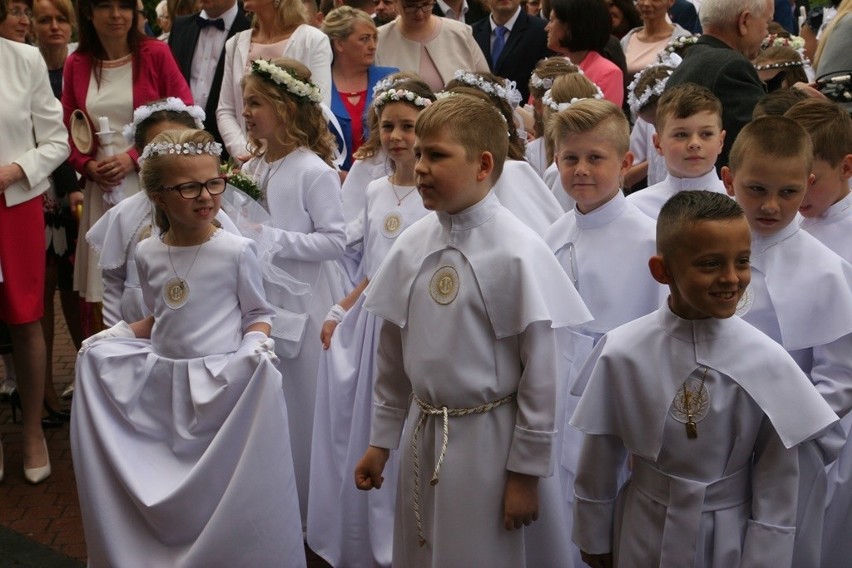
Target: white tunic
(642, 148)
(348, 527)
(724, 498)
(521, 191)
(537, 156)
(471, 302)
(816, 329)
(651, 199)
(834, 227)
(554, 182)
(180, 442)
(303, 197)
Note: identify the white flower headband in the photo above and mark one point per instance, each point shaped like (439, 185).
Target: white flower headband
(675, 45)
(547, 100)
(387, 83)
(507, 91)
(780, 65)
(173, 104)
(447, 94)
(547, 83)
(638, 102)
(183, 149)
(304, 90)
(793, 42)
(397, 95)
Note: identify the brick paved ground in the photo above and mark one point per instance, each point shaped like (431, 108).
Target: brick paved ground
(40, 525)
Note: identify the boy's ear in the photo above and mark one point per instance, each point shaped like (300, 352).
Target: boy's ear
(626, 163)
(656, 140)
(659, 271)
(722, 134)
(485, 166)
(846, 167)
(728, 180)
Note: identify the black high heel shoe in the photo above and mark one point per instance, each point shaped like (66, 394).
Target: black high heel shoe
(57, 415)
(54, 419)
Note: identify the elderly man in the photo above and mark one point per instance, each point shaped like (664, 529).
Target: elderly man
(720, 60)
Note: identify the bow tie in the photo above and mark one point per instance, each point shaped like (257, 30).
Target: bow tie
(204, 22)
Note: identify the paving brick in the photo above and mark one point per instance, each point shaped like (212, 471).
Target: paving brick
(29, 526)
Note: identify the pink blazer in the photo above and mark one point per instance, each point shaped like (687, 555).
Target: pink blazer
(156, 75)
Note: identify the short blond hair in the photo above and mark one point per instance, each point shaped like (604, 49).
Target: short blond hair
(829, 126)
(777, 137)
(471, 122)
(587, 115)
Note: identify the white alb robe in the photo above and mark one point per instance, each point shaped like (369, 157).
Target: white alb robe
(651, 199)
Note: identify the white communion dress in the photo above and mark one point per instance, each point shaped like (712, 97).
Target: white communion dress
(180, 442)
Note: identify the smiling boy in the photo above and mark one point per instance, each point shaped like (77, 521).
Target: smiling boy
(468, 361)
(800, 292)
(683, 391)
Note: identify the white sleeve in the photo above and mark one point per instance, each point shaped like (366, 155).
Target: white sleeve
(230, 102)
(595, 489)
(250, 290)
(831, 373)
(391, 391)
(113, 291)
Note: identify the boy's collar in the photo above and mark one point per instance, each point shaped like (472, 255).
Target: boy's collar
(707, 181)
(760, 243)
(473, 216)
(603, 214)
(689, 330)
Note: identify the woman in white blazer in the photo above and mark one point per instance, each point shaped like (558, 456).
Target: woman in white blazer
(33, 144)
(279, 29)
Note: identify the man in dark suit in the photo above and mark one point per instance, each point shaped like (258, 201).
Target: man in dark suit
(513, 51)
(467, 11)
(198, 44)
(720, 61)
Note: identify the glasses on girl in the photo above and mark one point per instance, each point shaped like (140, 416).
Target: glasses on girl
(192, 189)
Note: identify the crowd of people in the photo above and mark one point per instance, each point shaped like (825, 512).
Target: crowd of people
(582, 264)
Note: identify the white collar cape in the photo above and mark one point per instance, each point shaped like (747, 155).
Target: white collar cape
(636, 370)
(520, 280)
(111, 235)
(809, 285)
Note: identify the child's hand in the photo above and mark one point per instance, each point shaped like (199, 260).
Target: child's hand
(368, 471)
(328, 328)
(520, 500)
(597, 560)
(121, 329)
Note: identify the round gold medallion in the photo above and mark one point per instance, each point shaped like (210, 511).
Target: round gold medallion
(692, 401)
(444, 286)
(745, 303)
(392, 224)
(176, 293)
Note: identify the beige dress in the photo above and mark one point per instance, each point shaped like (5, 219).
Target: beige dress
(114, 100)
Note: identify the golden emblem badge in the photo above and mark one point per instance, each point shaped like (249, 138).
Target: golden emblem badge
(392, 225)
(691, 404)
(745, 303)
(444, 286)
(176, 293)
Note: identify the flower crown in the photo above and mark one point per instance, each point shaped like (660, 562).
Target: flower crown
(637, 103)
(676, 45)
(448, 94)
(388, 83)
(182, 149)
(302, 90)
(397, 95)
(507, 91)
(793, 42)
(780, 65)
(547, 100)
(173, 104)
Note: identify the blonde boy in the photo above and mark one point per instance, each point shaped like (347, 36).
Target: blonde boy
(800, 291)
(694, 395)
(827, 206)
(689, 137)
(468, 360)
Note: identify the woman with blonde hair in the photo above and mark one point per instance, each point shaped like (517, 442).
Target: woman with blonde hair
(280, 28)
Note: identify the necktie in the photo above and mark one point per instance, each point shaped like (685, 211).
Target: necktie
(218, 23)
(499, 43)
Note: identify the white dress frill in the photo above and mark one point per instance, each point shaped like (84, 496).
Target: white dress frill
(651, 199)
(348, 527)
(471, 304)
(180, 442)
(726, 497)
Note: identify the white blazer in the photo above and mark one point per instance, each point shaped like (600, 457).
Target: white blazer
(307, 45)
(33, 135)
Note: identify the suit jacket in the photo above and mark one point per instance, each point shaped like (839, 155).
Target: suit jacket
(475, 12)
(33, 136)
(183, 39)
(713, 64)
(525, 46)
(155, 76)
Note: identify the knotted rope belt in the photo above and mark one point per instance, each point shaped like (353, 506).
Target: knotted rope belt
(427, 410)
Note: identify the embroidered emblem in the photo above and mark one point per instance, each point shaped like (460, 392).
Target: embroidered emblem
(444, 286)
(392, 225)
(691, 404)
(176, 293)
(745, 303)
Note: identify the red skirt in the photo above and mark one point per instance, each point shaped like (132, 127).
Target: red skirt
(22, 245)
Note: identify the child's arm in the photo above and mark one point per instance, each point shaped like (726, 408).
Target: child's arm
(520, 500)
(260, 326)
(368, 471)
(330, 323)
(143, 327)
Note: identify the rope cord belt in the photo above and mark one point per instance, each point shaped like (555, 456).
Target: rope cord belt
(427, 410)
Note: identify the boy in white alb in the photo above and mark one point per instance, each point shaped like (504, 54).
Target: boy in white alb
(827, 208)
(703, 403)
(468, 361)
(689, 136)
(603, 243)
(800, 293)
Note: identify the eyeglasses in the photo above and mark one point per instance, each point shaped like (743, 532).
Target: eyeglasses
(412, 9)
(192, 189)
(18, 13)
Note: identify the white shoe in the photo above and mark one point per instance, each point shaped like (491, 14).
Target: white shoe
(68, 392)
(7, 386)
(36, 475)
